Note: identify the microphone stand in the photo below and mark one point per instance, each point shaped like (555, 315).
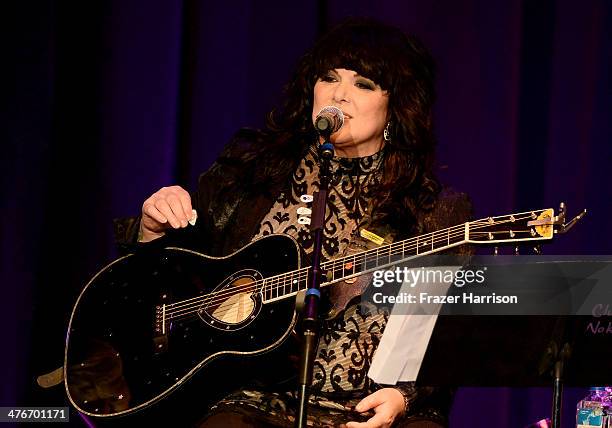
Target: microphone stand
(310, 325)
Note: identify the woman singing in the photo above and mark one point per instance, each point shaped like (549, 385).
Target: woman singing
(382, 182)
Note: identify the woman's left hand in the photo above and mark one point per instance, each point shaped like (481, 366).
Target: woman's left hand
(388, 405)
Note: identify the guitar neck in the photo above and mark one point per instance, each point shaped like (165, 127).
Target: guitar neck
(289, 284)
(535, 225)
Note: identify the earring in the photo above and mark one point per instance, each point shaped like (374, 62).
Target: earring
(387, 132)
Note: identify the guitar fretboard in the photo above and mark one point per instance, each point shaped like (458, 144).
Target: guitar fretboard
(288, 284)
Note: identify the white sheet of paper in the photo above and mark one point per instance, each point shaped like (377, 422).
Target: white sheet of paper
(401, 350)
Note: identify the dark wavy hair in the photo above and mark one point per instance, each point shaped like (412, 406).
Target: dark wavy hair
(403, 67)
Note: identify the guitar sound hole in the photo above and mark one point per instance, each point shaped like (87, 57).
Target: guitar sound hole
(232, 304)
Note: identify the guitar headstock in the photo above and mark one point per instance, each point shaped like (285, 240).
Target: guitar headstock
(534, 225)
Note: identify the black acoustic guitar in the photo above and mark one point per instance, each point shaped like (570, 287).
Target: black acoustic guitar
(156, 322)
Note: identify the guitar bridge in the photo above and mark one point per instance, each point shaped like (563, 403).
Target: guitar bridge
(160, 338)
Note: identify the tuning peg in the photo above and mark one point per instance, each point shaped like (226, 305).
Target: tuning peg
(562, 212)
(306, 198)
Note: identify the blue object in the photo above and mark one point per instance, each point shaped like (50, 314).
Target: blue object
(313, 291)
(327, 146)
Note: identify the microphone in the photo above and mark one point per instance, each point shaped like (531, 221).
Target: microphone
(329, 120)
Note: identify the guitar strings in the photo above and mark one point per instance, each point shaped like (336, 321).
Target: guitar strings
(179, 309)
(485, 223)
(271, 286)
(230, 313)
(273, 281)
(220, 295)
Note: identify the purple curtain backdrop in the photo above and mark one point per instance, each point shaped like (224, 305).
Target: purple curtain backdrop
(105, 102)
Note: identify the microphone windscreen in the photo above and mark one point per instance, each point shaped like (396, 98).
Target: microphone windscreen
(329, 120)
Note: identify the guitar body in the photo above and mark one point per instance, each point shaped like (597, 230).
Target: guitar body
(155, 325)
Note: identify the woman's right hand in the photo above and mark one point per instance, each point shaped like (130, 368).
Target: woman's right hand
(169, 207)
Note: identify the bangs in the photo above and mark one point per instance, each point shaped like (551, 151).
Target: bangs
(364, 48)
